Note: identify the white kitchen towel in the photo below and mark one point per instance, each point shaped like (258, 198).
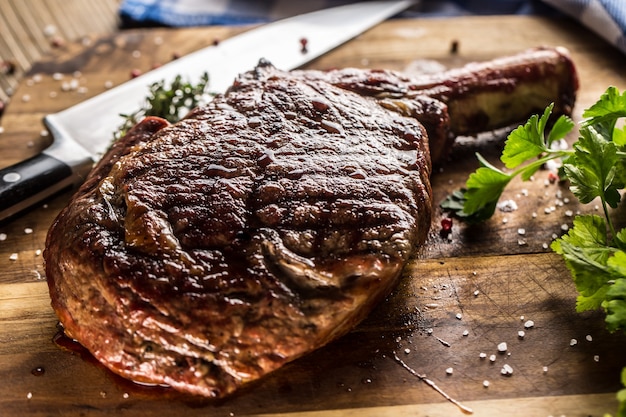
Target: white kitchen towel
(229, 12)
(605, 17)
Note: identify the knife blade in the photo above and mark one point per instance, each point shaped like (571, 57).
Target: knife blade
(82, 133)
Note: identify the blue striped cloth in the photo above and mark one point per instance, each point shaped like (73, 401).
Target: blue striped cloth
(605, 17)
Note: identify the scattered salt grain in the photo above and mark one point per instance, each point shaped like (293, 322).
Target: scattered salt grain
(57, 76)
(521, 334)
(28, 231)
(38, 252)
(507, 206)
(476, 293)
(564, 227)
(573, 342)
(589, 338)
(506, 370)
(521, 231)
(13, 257)
(50, 30)
(3, 236)
(502, 347)
(545, 369)
(466, 333)
(596, 358)
(486, 383)
(569, 213)
(521, 318)
(449, 371)
(407, 351)
(529, 324)
(459, 316)
(492, 358)
(482, 355)
(29, 395)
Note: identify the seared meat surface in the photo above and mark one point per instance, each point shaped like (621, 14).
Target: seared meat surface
(206, 254)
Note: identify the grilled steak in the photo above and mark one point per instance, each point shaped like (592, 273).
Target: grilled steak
(206, 254)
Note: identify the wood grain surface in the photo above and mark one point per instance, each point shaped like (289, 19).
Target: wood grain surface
(462, 296)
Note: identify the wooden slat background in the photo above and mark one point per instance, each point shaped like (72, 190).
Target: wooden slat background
(29, 29)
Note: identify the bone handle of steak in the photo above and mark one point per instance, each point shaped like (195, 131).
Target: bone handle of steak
(499, 93)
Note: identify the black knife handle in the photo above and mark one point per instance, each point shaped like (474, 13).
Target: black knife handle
(31, 181)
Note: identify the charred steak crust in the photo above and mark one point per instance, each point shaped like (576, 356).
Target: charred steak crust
(208, 253)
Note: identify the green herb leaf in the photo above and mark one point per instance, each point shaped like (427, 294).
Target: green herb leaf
(526, 141)
(610, 107)
(483, 189)
(585, 253)
(170, 102)
(593, 167)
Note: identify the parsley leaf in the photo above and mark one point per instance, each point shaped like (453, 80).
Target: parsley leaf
(592, 169)
(610, 107)
(585, 253)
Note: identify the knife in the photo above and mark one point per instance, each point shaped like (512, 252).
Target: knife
(82, 133)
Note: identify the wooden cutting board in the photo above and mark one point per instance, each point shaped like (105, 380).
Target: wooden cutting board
(464, 295)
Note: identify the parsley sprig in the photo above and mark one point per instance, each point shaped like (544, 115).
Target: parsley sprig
(169, 101)
(594, 251)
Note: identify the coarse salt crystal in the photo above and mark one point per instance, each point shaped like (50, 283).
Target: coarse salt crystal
(521, 334)
(465, 332)
(573, 342)
(459, 316)
(492, 358)
(449, 371)
(3, 236)
(564, 227)
(485, 383)
(50, 30)
(506, 370)
(507, 206)
(529, 324)
(407, 351)
(28, 231)
(589, 338)
(482, 355)
(596, 358)
(38, 252)
(476, 293)
(545, 369)
(13, 257)
(29, 395)
(502, 347)
(521, 231)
